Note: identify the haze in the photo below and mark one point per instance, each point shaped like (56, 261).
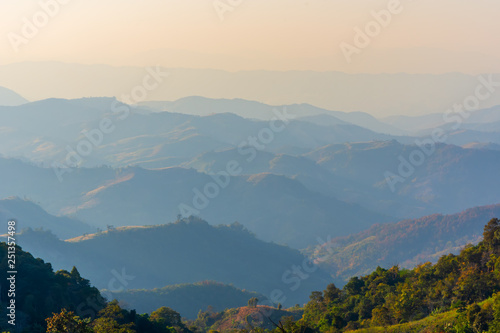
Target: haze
(426, 37)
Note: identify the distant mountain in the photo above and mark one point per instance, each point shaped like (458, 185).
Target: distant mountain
(245, 318)
(274, 194)
(29, 215)
(377, 94)
(10, 98)
(201, 106)
(42, 130)
(300, 168)
(41, 185)
(449, 179)
(47, 131)
(135, 196)
(465, 136)
(406, 243)
(358, 118)
(421, 124)
(326, 187)
(274, 207)
(188, 251)
(477, 145)
(187, 299)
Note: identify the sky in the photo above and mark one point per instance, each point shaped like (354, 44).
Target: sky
(418, 36)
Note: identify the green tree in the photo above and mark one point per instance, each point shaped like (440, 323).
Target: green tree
(252, 302)
(491, 233)
(113, 319)
(381, 316)
(166, 317)
(67, 322)
(331, 293)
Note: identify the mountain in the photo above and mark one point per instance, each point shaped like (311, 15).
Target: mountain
(245, 318)
(466, 136)
(188, 251)
(41, 184)
(478, 145)
(459, 293)
(358, 118)
(10, 98)
(406, 243)
(274, 207)
(201, 106)
(48, 131)
(42, 130)
(273, 194)
(29, 215)
(377, 94)
(188, 298)
(421, 124)
(300, 168)
(448, 179)
(38, 291)
(136, 196)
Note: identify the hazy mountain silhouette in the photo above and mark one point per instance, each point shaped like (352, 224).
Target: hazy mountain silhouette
(450, 179)
(202, 106)
(377, 94)
(188, 251)
(10, 98)
(29, 215)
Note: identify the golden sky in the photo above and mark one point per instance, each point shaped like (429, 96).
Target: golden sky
(425, 36)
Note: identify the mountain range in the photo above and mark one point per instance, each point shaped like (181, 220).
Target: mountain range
(313, 170)
(377, 94)
(407, 243)
(188, 251)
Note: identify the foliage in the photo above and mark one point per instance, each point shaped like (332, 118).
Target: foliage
(40, 291)
(252, 302)
(406, 243)
(187, 299)
(67, 322)
(244, 319)
(387, 297)
(114, 319)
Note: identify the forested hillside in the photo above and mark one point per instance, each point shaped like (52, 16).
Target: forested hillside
(396, 295)
(187, 299)
(406, 243)
(39, 291)
(460, 293)
(188, 251)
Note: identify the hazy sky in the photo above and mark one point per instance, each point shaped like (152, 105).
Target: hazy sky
(425, 36)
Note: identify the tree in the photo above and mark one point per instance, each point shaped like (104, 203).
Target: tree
(316, 297)
(332, 293)
(252, 302)
(76, 277)
(479, 318)
(381, 316)
(109, 325)
(354, 286)
(112, 320)
(491, 233)
(166, 317)
(67, 322)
